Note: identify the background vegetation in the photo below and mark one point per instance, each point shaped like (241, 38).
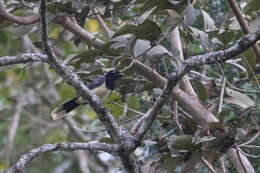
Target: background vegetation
(140, 29)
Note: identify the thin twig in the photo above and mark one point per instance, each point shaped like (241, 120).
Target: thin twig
(248, 155)
(251, 140)
(209, 166)
(240, 160)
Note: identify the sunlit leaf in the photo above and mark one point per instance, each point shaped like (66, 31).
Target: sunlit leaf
(92, 25)
(189, 18)
(238, 98)
(209, 24)
(115, 110)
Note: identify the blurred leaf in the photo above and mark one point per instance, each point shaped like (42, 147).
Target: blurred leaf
(145, 15)
(199, 140)
(171, 163)
(201, 91)
(132, 103)
(183, 142)
(55, 135)
(106, 140)
(209, 24)
(189, 18)
(252, 5)
(92, 115)
(59, 8)
(115, 110)
(87, 56)
(147, 30)
(4, 23)
(21, 30)
(255, 24)
(92, 25)
(249, 59)
(173, 19)
(221, 117)
(238, 98)
(234, 25)
(3, 166)
(161, 5)
(192, 162)
(200, 35)
(189, 126)
(55, 32)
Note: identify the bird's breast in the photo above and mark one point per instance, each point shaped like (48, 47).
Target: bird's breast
(101, 91)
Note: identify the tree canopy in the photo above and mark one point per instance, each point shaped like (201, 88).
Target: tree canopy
(189, 100)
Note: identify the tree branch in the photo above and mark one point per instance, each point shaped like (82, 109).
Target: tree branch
(243, 24)
(23, 58)
(17, 19)
(144, 124)
(26, 158)
(220, 56)
(73, 79)
(79, 31)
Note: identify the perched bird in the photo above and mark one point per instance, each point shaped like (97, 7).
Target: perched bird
(102, 86)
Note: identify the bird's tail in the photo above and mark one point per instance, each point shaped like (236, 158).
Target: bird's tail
(65, 108)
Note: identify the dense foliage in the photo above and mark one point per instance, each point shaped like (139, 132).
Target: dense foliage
(119, 30)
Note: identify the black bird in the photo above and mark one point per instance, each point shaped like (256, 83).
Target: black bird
(101, 87)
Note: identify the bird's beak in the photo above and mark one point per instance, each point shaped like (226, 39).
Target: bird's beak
(120, 74)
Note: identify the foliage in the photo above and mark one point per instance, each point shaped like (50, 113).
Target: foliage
(140, 29)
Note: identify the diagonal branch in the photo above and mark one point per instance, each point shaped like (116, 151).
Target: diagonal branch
(73, 79)
(17, 19)
(144, 124)
(67, 146)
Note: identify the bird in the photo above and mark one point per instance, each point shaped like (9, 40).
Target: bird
(102, 87)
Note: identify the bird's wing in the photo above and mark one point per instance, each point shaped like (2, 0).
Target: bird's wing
(96, 83)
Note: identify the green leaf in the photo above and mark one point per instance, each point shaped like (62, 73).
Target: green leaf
(189, 18)
(87, 56)
(201, 91)
(209, 24)
(115, 110)
(148, 30)
(238, 98)
(145, 15)
(200, 35)
(55, 135)
(173, 19)
(171, 163)
(106, 140)
(133, 103)
(189, 125)
(252, 5)
(183, 142)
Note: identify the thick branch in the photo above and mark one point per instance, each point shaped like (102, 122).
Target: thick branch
(22, 58)
(17, 19)
(185, 84)
(72, 78)
(26, 158)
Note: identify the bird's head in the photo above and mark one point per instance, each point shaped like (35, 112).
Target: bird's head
(113, 74)
(111, 77)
